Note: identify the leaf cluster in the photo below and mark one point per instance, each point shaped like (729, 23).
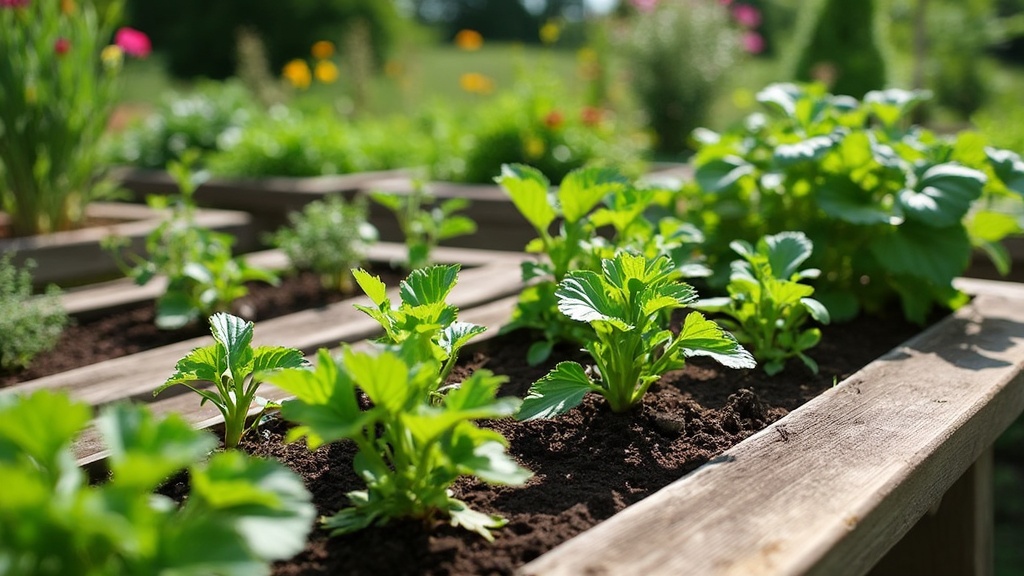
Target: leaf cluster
(894, 209)
(411, 449)
(30, 324)
(425, 223)
(593, 214)
(236, 369)
(423, 318)
(767, 306)
(241, 513)
(202, 275)
(330, 237)
(632, 346)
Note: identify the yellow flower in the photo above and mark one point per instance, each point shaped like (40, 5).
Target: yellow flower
(550, 32)
(325, 71)
(322, 50)
(469, 40)
(298, 74)
(112, 56)
(534, 147)
(586, 55)
(475, 83)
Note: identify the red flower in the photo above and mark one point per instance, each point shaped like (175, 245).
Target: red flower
(554, 119)
(591, 116)
(133, 42)
(61, 46)
(13, 3)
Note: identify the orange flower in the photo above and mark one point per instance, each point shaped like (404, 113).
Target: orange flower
(554, 119)
(475, 83)
(325, 71)
(591, 116)
(469, 40)
(298, 74)
(322, 50)
(67, 6)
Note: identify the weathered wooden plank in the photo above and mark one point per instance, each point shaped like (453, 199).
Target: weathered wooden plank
(854, 469)
(955, 537)
(89, 447)
(137, 375)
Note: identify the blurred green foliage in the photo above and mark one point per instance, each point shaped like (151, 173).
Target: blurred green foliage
(837, 44)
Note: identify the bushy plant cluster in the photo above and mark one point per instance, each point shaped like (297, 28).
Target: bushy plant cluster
(30, 324)
(896, 208)
(330, 237)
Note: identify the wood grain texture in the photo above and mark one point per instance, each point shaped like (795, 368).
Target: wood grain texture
(856, 468)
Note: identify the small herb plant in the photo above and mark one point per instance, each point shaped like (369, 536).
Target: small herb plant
(410, 448)
(241, 514)
(330, 237)
(894, 209)
(236, 369)
(587, 199)
(423, 319)
(203, 277)
(626, 304)
(424, 228)
(767, 304)
(30, 324)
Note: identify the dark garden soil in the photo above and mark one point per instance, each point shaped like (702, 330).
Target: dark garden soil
(127, 331)
(588, 464)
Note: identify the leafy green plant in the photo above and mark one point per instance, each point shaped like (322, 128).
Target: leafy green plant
(894, 209)
(424, 228)
(588, 199)
(56, 94)
(632, 345)
(241, 513)
(203, 276)
(767, 305)
(204, 119)
(30, 324)
(235, 367)
(423, 319)
(330, 237)
(410, 448)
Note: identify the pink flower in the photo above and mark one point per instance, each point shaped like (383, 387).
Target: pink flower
(133, 42)
(61, 46)
(753, 43)
(746, 15)
(644, 5)
(13, 3)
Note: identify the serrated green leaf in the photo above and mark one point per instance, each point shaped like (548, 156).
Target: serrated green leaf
(786, 252)
(810, 150)
(841, 198)
(384, 378)
(528, 189)
(372, 286)
(40, 424)
(582, 297)
(462, 516)
(235, 336)
(936, 255)
(174, 309)
(429, 285)
(1008, 167)
(816, 309)
(562, 389)
(267, 358)
(943, 196)
(781, 97)
(583, 188)
(702, 337)
(491, 463)
(456, 335)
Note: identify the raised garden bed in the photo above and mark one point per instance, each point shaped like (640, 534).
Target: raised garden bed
(76, 256)
(269, 200)
(828, 489)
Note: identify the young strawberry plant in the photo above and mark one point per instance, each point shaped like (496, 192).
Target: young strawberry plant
(330, 237)
(241, 513)
(587, 200)
(203, 277)
(235, 368)
(767, 305)
(424, 228)
(632, 347)
(423, 319)
(411, 448)
(894, 209)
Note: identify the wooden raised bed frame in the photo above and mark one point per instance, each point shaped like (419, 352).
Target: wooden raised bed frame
(896, 459)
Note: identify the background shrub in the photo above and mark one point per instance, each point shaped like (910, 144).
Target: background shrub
(29, 324)
(837, 43)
